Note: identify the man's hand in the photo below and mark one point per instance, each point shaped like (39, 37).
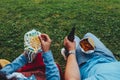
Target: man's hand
(45, 42)
(69, 45)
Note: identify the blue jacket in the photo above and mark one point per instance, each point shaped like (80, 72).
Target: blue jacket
(52, 72)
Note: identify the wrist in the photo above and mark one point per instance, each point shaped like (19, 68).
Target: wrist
(46, 50)
(70, 52)
(25, 53)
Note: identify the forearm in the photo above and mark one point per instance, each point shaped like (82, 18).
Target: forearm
(72, 70)
(15, 65)
(52, 72)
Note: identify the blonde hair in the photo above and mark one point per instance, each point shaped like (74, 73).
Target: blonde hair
(3, 62)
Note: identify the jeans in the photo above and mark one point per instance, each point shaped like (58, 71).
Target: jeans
(100, 50)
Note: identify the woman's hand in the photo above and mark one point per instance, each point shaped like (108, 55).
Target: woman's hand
(45, 42)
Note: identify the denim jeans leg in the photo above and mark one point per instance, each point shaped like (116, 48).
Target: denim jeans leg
(80, 56)
(100, 47)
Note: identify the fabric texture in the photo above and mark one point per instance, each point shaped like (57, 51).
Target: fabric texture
(100, 65)
(41, 68)
(32, 44)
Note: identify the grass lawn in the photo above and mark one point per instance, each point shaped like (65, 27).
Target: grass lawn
(56, 17)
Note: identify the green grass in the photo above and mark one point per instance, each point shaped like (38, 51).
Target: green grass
(56, 17)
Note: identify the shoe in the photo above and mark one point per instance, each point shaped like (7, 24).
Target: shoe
(32, 44)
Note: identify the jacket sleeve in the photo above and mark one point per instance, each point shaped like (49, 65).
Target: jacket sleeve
(15, 65)
(52, 72)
